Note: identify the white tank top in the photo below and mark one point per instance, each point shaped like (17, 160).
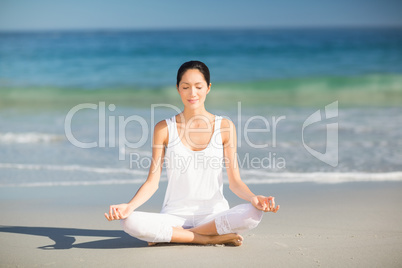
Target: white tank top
(194, 177)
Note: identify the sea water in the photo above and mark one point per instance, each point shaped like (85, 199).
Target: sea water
(268, 82)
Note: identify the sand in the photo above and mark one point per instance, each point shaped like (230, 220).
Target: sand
(341, 225)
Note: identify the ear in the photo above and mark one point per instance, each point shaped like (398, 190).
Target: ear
(177, 87)
(209, 88)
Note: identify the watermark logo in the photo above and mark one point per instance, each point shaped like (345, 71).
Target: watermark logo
(203, 161)
(262, 136)
(330, 156)
(123, 142)
(109, 125)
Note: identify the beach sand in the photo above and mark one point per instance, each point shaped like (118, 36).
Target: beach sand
(328, 225)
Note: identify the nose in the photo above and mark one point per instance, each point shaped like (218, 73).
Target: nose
(193, 91)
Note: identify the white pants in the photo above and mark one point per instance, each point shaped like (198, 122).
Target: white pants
(157, 227)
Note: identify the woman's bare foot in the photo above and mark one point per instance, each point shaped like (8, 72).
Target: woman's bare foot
(227, 239)
(237, 242)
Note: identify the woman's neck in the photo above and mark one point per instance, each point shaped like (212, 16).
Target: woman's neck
(190, 113)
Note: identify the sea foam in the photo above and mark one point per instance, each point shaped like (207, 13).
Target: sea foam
(29, 137)
(252, 176)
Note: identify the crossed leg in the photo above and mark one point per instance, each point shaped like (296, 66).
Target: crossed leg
(205, 234)
(222, 228)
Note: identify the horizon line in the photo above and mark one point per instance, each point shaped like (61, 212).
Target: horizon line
(225, 28)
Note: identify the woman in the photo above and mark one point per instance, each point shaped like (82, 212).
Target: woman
(193, 144)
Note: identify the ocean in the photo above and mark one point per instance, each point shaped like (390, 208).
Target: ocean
(309, 105)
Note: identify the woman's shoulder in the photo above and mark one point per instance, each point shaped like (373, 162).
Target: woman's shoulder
(227, 129)
(226, 122)
(161, 125)
(164, 123)
(161, 132)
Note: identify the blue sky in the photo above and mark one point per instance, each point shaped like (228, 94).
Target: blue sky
(139, 14)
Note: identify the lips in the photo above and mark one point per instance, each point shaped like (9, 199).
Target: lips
(192, 101)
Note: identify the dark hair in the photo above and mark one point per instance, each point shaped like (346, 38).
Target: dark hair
(193, 64)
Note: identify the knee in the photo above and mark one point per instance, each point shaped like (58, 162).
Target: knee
(251, 216)
(246, 218)
(133, 225)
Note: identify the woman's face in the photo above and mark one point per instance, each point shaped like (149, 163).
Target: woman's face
(193, 88)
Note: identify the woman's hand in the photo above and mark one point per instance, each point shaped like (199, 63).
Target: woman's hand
(266, 204)
(118, 212)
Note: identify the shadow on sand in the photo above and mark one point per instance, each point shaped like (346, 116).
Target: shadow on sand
(64, 238)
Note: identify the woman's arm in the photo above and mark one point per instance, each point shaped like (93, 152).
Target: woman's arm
(236, 185)
(150, 186)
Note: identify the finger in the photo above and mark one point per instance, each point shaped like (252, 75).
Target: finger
(119, 213)
(268, 200)
(266, 208)
(107, 217)
(276, 209)
(116, 215)
(273, 204)
(266, 203)
(111, 212)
